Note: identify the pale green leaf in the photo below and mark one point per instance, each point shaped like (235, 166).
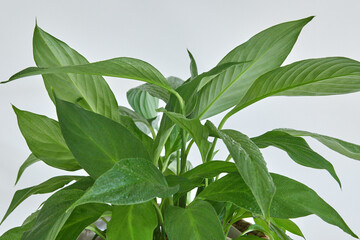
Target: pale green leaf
(91, 92)
(312, 77)
(265, 51)
(143, 103)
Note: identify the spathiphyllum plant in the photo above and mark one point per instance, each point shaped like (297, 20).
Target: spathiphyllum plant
(139, 176)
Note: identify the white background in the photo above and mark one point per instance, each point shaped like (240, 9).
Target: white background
(159, 32)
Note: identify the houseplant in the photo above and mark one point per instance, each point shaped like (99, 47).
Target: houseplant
(139, 175)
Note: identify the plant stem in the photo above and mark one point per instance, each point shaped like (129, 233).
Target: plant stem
(158, 211)
(178, 166)
(96, 230)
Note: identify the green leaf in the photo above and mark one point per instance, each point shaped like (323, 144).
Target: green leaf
(28, 162)
(135, 117)
(297, 149)
(312, 77)
(195, 128)
(292, 199)
(250, 164)
(132, 222)
(210, 169)
(197, 222)
(52, 216)
(193, 67)
(122, 67)
(17, 232)
(345, 148)
(267, 50)
(143, 103)
(91, 92)
(132, 181)
(185, 184)
(46, 187)
(97, 142)
(288, 225)
(44, 138)
(80, 218)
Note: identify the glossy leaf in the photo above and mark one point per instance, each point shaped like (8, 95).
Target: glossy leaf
(250, 164)
(297, 149)
(197, 222)
(143, 103)
(193, 66)
(90, 92)
(267, 50)
(132, 181)
(132, 222)
(80, 218)
(44, 138)
(312, 77)
(345, 148)
(52, 216)
(97, 142)
(292, 199)
(195, 128)
(28, 162)
(48, 186)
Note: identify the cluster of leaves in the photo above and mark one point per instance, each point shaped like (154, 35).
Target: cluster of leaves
(138, 170)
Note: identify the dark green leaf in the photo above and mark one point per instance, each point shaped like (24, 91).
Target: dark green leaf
(292, 199)
(91, 92)
(345, 148)
(197, 131)
(44, 138)
(46, 187)
(52, 216)
(193, 67)
(210, 169)
(250, 164)
(312, 77)
(97, 142)
(143, 103)
(132, 222)
(80, 218)
(132, 181)
(185, 184)
(197, 222)
(28, 162)
(297, 149)
(265, 51)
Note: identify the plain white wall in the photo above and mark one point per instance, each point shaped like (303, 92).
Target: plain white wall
(159, 32)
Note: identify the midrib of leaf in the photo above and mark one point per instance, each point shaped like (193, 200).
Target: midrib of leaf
(100, 147)
(130, 221)
(51, 137)
(192, 220)
(71, 79)
(288, 88)
(235, 80)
